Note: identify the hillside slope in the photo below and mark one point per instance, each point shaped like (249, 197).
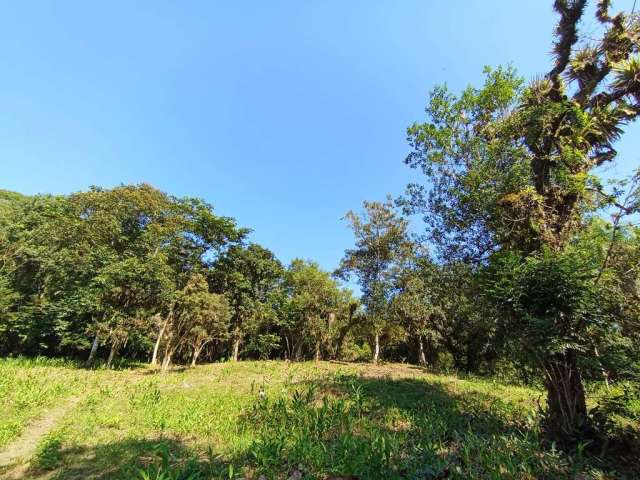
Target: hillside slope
(277, 419)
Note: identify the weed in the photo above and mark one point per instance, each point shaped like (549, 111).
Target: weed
(48, 455)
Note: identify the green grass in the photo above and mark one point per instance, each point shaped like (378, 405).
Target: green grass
(249, 419)
(30, 386)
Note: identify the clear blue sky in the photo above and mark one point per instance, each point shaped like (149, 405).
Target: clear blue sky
(282, 114)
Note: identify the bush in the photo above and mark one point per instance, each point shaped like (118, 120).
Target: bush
(616, 417)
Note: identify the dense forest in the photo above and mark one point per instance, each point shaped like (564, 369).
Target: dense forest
(525, 264)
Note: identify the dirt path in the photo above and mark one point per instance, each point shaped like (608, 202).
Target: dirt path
(25, 445)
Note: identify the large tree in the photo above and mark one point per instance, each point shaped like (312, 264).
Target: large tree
(416, 305)
(382, 244)
(512, 171)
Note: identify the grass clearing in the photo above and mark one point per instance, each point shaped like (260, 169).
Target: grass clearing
(278, 419)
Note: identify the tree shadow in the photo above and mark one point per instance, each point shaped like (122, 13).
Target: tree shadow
(122, 459)
(481, 412)
(476, 431)
(148, 370)
(400, 428)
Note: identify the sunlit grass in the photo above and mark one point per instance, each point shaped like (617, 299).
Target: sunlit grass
(274, 418)
(29, 386)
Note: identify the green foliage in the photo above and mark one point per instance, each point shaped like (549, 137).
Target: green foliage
(464, 149)
(617, 414)
(48, 455)
(249, 277)
(382, 245)
(8, 201)
(510, 185)
(543, 289)
(101, 262)
(170, 468)
(314, 305)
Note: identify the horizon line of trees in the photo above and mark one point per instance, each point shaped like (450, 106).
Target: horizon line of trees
(133, 271)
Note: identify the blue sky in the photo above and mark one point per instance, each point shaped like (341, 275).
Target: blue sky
(283, 114)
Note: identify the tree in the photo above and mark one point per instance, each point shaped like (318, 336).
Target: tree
(314, 301)
(414, 305)
(210, 312)
(511, 172)
(198, 318)
(347, 319)
(381, 245)
(127, 291)
(247, 276)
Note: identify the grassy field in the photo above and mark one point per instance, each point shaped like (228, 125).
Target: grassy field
(273, 420)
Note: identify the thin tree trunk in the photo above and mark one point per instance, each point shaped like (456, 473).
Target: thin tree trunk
(236, 348)
(94, 349)
(422, 359)
(567, 408)
(194, 358)
(166, 361)
(471, 362)
(112, 354)
(345, 330)
(605, 374)
(297, 351)
(156, 347)
(317, 354)
(376, 348)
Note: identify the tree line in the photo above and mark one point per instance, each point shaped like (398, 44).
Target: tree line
(133, 271)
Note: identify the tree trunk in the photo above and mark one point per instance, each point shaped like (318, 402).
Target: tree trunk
(317, 354)
(194, 358)
(297, 351)
(112, 354)
(567, 408)
(166, 361)
(422, 359)
(166, 358)
(340, 342)
(471, 362)
(376, 348)
(156, 347)
(236, 349)
(94, 349)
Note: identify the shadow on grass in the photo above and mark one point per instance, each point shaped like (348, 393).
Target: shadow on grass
(124, 459)
(394, 429)
(478, 411)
